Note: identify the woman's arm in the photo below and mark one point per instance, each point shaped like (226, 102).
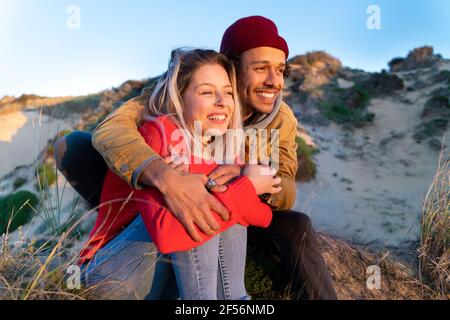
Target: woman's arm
(241, 199)
(169, 235)
(165, 230)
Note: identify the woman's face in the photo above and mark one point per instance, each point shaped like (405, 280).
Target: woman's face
(209, 99)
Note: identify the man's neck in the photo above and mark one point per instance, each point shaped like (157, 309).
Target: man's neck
(247, 116)
(248, 113)
(249, 119)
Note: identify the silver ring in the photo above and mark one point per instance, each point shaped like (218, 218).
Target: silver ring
(210, 184)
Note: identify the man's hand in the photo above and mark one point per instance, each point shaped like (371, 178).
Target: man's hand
(223, 174)
(186, 197)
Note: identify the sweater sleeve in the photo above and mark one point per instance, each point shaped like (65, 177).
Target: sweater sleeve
(241, 199)
(166, 232)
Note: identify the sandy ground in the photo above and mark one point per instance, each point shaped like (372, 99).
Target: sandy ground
(23, 135)
(371, 183)
(11, 124)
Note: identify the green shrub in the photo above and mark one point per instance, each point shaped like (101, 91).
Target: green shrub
(443, 76)
(81, 104)
(17, 208)
(77, 105)
(18, 183)
(432, 128)
(348, 107)
(46, 175)
(257, 280)
(306, 167)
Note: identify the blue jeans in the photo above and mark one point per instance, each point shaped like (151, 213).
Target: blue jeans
(130, 267)
(214, 270)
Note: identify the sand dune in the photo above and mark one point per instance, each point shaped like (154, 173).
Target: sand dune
(10, 124)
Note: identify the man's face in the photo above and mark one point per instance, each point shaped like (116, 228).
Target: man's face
(260, 79)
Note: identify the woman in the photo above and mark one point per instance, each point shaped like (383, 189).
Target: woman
(197, 91)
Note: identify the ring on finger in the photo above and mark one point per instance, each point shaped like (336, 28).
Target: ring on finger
(211, 184)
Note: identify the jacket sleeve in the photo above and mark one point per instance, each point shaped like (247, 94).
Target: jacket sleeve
(117, 139)
(288, 164)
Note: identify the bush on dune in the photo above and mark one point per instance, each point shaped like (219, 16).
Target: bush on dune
(348, 107)
(16, 210)
(306, 167)
(46, 175)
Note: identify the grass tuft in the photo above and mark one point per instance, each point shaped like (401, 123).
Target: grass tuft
(435, 232)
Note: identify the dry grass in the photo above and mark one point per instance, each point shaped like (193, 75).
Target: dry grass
(435, 232)
(36, 269)
(348, 268)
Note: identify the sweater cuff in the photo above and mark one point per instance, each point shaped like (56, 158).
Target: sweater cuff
(242, 194)
(242, 190)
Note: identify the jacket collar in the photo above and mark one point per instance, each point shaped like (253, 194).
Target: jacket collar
(260, 121)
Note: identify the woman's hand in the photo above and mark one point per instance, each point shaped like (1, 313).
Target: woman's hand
(263, 178)
(177, 163)
(224, 174)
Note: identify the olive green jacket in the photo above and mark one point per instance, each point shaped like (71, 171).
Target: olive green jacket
(127, 154)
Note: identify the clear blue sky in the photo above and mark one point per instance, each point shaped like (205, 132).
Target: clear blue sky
(120, 40)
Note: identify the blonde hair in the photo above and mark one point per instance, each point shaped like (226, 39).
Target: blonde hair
(166, 98)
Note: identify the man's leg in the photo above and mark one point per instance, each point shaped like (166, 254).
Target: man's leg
(83, 167)
(294, 238)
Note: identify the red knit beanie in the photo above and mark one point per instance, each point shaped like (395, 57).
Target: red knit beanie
(252, 32)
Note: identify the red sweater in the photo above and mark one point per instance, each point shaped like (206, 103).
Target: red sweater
(121, 204)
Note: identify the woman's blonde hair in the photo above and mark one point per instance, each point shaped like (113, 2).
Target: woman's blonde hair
(166, 98)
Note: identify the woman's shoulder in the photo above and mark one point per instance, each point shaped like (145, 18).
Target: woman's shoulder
(161, 126)
(164, 122)
(157, 132)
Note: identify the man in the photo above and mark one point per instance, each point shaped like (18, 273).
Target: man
(259, 54)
